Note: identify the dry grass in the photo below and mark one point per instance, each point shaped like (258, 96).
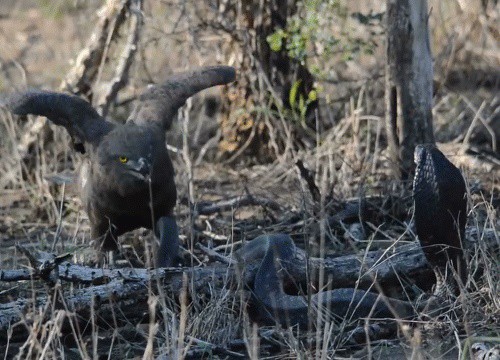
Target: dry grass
(349, 161)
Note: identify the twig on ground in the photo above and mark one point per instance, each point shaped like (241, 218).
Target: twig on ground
(236, 202)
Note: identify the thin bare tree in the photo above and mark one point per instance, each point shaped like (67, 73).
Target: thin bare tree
(409, 77)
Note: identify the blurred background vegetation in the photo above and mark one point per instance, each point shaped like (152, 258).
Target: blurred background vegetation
(303, 65)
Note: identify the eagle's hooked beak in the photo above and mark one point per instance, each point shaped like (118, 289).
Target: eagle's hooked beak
(140, 168)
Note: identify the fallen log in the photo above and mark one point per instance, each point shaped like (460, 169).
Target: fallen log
(106, 292)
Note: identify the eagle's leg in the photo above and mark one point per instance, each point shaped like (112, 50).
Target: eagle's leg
(167, 231)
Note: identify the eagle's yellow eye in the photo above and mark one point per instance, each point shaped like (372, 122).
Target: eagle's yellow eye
(123, 159)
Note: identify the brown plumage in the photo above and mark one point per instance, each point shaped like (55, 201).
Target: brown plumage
(440, 199)
(129, 167)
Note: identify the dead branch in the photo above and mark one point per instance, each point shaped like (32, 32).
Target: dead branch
(81, 77)
(239, 201)
(123, 289)
(84, 73)
(122, 69)
(127, 289)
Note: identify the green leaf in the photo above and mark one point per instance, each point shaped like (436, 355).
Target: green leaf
(302, 106)
(312, 96)
(275, 40)
(292, 97)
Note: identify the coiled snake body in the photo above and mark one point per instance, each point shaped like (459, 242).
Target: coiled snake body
(276, 306)
(440, 215)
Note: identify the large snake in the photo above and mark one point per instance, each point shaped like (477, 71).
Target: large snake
(439, 193)
(276, 306)
(440, 198)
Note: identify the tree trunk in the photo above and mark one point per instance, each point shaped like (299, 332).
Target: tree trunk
(408, 82)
